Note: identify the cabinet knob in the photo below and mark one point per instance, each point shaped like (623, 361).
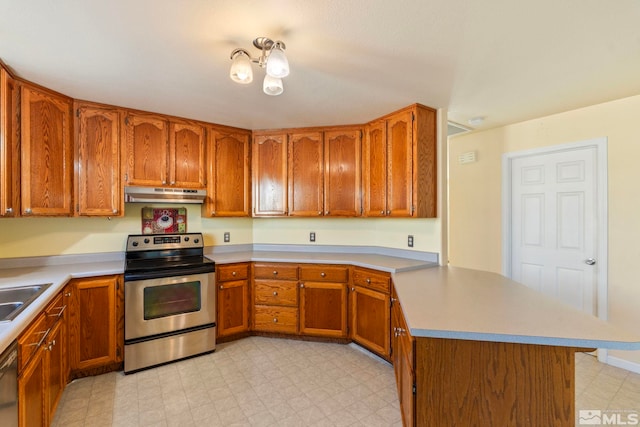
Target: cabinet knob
(67, 294)
(302, 285)
(388, 212)
(381, 212)
(275, 320)
(221, 287)
(275, 294)
(173, 183)
(319, 212)
(115, 211)
(326, 213)
(213, 213)
(164, 182)
(27, 211)
(368, 280)
(323, 274)
(275, 273)
(9, 210)
(353, 289)
(234, 274)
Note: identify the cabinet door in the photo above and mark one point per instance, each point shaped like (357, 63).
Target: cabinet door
(306, 171)
(269, 175)
(31, 392)
(342, 172)
(186, 155)
(229, 182)
(374, 170)
(55, 367)
(233, 307)
(93, 321)
(400, 164)
(146, 150)
(323, 309)
(47, 153)
(9, 146)
(370, 320)
(98, 188)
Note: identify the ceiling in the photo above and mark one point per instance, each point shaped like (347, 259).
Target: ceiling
(351, 60)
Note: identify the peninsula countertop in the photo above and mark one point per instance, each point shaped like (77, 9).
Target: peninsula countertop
(459, 303)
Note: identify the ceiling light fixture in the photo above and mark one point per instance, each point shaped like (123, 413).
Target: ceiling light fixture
(271, 57)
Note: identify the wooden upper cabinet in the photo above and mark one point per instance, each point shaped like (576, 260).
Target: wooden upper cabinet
(46, 153)
(342, 172)
(9, 145)
(161, 152)
(399, 164)
(269, 167)
(98, 186)
(306, 174)
(228, 169)
(146, 153)
(374, 169)
(186, 154)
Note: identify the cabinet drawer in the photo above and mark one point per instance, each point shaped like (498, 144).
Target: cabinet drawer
(232, 272)
(372, 279)
(276, 292)
(276, 319)
(324, 273)
(31, 340)
(275, 271)
(55, 310)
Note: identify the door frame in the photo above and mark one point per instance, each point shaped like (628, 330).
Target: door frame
(601, 170)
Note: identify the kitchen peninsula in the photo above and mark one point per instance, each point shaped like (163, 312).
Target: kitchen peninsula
(482, 347)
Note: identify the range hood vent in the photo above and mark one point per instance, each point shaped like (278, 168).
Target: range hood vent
(163, 195)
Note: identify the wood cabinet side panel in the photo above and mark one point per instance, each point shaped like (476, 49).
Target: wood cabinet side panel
(9, 145)
(425, 163)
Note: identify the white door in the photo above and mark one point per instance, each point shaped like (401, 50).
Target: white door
(554, 219)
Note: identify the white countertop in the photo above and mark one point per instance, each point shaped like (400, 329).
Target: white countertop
(58, 276)
(458, 303)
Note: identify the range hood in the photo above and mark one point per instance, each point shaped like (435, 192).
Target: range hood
(163, 195)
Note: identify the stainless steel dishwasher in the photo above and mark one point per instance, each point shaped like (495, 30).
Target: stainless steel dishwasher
(9, 386)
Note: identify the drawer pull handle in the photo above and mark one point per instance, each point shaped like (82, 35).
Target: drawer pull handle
(275, 320)
(323, 274)
(221, 287)
(234, 273)
(59, 313)
(275, 294)
(353, 289)
(67, 294)
(44, 337)
(275, 273)
(368, 280)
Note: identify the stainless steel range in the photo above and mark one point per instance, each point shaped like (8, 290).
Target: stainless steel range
(169, 300)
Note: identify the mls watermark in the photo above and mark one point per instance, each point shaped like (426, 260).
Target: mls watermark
(608, 417)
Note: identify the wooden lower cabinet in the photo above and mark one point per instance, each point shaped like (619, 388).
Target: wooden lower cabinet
(232, 299)
(275, 297)
(323, 309)
(403, 363)
(370, 316)
(96, 324)
(42, 367)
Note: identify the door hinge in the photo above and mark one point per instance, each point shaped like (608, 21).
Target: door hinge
(118, 354)
(414, 389)
(413, 117)
(126, 120)
(77, 112)
(126, 177)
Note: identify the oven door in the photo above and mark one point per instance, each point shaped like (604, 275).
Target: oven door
(168, 304)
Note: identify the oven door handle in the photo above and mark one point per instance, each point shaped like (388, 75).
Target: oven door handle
(169, 272)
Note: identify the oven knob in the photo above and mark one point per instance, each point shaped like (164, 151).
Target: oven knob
(134, 243)
(196, 241)
(186, 238)
(146, 241)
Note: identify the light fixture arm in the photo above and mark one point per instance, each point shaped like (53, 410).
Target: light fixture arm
(277, 68)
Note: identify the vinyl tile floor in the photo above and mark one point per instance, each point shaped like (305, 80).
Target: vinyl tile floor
(261, 381)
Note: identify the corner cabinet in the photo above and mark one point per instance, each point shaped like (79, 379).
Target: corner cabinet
(232, 299)
(46, 153)
(9, 145)
(400, 164)
(229, 174)
(96, 324)
(269, 169)
(98, 186)
(160, 152)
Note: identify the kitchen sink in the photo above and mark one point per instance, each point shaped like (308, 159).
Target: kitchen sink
(14, 300)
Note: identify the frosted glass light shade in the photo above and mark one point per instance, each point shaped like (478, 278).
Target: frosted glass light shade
(241, 71)
(277, 64)
(272, 85)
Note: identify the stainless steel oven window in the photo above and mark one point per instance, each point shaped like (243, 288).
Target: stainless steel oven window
(169, 300)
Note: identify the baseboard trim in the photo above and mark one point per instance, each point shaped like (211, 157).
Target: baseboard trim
(623, 364)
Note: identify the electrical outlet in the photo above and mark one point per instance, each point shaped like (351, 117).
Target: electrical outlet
(312, 236)
(410, 241)
(227, 237)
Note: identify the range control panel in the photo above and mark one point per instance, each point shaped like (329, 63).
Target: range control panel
(155, 242)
